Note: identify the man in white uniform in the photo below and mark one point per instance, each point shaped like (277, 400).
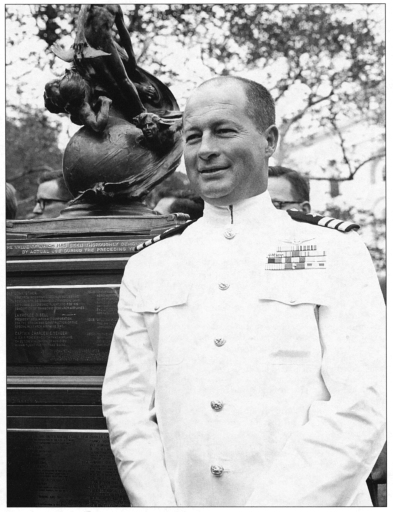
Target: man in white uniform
(247, 365)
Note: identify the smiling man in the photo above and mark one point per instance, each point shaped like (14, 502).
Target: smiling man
(247, 365)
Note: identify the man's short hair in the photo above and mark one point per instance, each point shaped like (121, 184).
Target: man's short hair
(260, 106)
(57, 175)
(300, 184)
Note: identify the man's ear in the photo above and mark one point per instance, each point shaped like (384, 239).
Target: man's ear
(271, 135)
(305, 207)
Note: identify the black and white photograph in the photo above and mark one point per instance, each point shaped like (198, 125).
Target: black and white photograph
(195, 256)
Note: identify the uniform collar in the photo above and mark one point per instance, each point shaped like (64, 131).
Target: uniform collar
(258, 209)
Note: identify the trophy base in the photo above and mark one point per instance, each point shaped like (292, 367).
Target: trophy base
(131, 208)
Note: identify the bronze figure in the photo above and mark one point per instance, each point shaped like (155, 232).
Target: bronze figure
(130, 139)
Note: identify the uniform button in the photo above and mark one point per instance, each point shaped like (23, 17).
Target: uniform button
(217, 470)
(216, 405)
(223, 286)
(229, 233)
(220, 342)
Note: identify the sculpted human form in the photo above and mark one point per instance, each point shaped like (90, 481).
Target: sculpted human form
(247, 364)
(110, 160)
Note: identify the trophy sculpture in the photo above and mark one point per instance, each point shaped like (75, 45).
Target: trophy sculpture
(63, 274)
(130, 140)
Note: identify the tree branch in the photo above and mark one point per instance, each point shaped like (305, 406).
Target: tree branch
(351, 175)
(134, 17)
(374, 157)
(288, 84)
(299, 115)
(342, 145)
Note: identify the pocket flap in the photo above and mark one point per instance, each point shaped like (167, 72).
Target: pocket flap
(294, 297)
(155, 298)
(294, 287)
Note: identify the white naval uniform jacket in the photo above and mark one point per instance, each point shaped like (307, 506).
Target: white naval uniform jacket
(272, 378)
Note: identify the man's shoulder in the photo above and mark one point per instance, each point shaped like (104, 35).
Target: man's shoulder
(326, 229)
(157, 252)
(322, 221)
(158, 264)
(169, 233)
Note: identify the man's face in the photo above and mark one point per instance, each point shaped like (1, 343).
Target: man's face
(226, 157)
(48, 205)
(283, 197)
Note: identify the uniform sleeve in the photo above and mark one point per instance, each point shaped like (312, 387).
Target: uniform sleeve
(128, 405)
(326, 461)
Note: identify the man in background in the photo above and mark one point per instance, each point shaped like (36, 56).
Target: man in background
(52, 195)
(11, 202)
(289, 189)
(182, 201)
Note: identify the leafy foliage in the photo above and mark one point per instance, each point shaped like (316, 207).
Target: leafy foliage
(323, 63)
(31, 142)
(329, 56)
(372, 228)
(31, 148)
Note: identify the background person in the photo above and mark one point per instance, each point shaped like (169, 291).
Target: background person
(52, 195)
(229, 382)
(11, 201)
(181, 201)
(289, 189)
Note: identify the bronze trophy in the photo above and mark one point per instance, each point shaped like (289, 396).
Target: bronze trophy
(63, 274)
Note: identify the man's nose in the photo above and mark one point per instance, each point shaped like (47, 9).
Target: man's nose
(208, 147)
(37, 208)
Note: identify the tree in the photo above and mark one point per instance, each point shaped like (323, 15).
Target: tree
(31, 142)
(31, 148)
(323, 63)
(372, 228)
(328, 57)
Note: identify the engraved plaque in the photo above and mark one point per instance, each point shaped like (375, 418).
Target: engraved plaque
(60, 325)
(72, 247)
(62, 469)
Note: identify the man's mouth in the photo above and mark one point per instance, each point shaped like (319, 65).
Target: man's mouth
(211, 170)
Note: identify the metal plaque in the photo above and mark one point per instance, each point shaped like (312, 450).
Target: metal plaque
(62, 469)
(60, 325)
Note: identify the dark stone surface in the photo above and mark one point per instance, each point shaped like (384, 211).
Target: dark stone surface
(62, 469)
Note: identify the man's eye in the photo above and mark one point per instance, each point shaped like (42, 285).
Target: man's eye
(192, 137)
(224, 131)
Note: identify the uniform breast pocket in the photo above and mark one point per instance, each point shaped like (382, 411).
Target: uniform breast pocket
(165, 309)
(290, 325)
